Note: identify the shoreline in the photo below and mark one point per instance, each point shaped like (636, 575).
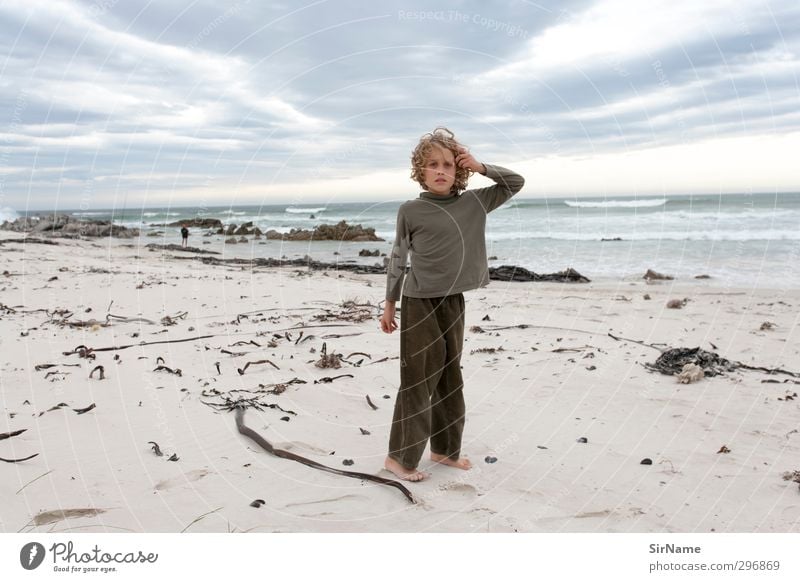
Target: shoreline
(532, 393)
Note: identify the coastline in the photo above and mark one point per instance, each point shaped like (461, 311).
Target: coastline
(531, 393)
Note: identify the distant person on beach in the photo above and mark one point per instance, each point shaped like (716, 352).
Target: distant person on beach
(444, 231)
(184, 236)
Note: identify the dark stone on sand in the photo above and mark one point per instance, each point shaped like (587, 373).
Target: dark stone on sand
(490, 459)
(512, 273)
(369, 253)
(340, 231)
(257, 503)
(646, 461)
(583, 440)
(702, 276)
(347, 462)
(652, 275)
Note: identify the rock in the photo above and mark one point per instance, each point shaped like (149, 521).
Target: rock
(702, 276)
(651, 275)
(341, 232)
(195, 223)
(767, 325)
(369, 253)
(513, 273)
(347, 462)
(677, 303)
(647, 297)
(583, 440)
(490, 459)
(242, 240)
(230, 241)
(67, 226)
(246, 228)
(646, 461)
(231, 230)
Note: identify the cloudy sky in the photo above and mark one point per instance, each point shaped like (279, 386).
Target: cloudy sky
(108, 103)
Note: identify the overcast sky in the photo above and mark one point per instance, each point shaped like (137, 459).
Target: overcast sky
(132, 102)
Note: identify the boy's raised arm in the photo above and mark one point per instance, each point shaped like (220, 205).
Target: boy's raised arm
(507, 183)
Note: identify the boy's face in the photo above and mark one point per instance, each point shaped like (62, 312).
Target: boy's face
(440, 171)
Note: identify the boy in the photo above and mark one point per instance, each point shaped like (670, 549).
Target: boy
(445, 231)
(184, 236)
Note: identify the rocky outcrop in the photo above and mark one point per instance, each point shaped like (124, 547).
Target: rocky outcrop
(63, 225)
(195, 223)
(341, 231)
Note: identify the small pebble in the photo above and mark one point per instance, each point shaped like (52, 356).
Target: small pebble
(583, 440)
(285, 418)
(646, 461)
(347, 462)
(257, 503)
(490, 459)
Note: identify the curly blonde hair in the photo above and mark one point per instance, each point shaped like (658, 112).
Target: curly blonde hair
(445, 139)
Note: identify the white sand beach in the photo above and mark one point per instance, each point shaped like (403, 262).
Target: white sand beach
(532, 393)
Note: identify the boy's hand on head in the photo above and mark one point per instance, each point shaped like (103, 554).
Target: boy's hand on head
(388, 321)
(464, 159)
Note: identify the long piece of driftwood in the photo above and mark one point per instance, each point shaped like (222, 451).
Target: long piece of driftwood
(265, 444)
(114, 348)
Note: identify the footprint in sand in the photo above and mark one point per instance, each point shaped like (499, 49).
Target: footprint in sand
(189, 477)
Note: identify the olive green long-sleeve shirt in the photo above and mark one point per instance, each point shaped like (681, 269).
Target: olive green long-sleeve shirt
(446, 238)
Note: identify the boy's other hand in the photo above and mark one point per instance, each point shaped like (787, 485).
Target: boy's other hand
(388, 321)
(464, 159)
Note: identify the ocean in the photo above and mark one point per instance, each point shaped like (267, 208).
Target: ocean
(739, 240)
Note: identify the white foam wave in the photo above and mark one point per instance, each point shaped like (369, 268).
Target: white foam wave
(89, 213)
(727, 235)
(293, 210)
(161, 213)
(8, 214)
(616, 203)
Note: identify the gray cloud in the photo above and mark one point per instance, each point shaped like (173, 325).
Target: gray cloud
(125, 96)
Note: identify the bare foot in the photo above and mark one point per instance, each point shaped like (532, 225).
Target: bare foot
(462, 463)
(401, 472)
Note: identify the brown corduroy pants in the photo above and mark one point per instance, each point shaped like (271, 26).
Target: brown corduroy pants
(430, 401)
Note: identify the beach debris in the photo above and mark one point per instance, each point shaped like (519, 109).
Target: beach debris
(8, 435)
(258, 362)
(347, 462)
(56, 515)
(19, 460)
(332, 360)
(216, 365)
(646, 461)
(704, 276)
(514, 273)
(792, 476)
(176, 371)
(767, 326)
(281, 387)
(486, 318)
(541, 447)
(168, 320)
(173, 457)
(490, 459)
(672, 361)
(92, 406)
(371, 404)
(486, 350)
(582, 440)
(257, 503)
(690, 373)
(156, 448)
(476, 329)
(787, 397)
(85, 352)
(364, 431)
(102, 372)
(358, 363)
(349, 311)
(329, 379)
(677, 303)
(723, 450)
(265, 444)
(652, 275)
